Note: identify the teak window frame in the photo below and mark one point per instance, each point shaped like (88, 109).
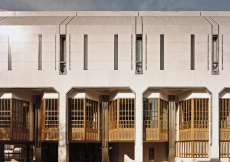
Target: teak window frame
(83, 119)
(224, 128)
(14, 119)
(155, 119)
(49, 112)
(193, 129)
(122, 119)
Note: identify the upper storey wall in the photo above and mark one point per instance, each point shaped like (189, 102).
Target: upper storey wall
(177, 28)
(101, 25)
(30, 25)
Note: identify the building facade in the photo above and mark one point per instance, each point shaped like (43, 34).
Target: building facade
(96, 86)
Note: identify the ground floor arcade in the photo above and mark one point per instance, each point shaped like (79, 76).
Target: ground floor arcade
(104, 124)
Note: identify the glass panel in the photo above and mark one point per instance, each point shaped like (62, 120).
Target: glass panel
(51, 113)
(150, 113)
(139, 54)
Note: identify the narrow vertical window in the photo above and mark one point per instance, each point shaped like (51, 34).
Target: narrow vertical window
(39, 52)
(131, 52)
(151, 153)
(215, 53)
(62, 54)
(192, 52)
(9, 54)
(85, 52)
(115, 52)
(222, 42)
(139, 54)
(55, 52)
(214, 49)
(208, 52)
(70, 52)
(146, 51)
(161, 52)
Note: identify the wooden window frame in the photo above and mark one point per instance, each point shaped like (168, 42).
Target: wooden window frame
(83, 119)
(122, 119)
(193, 129)
(49, 112)
(14, 119)
(158, 131)
(5, 119)
(224, 128)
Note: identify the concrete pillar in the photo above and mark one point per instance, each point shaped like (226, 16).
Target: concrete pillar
(214, 127)
(139, 128)
(37, 128)
(105, 137)
(171, 127)
(62, 141)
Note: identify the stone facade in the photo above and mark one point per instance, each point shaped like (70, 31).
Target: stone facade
(31, 67)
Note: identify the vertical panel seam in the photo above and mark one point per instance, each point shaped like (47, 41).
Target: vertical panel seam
(208, 37)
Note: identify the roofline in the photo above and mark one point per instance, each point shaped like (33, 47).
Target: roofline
(113, 13)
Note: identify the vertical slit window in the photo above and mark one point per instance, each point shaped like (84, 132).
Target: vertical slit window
(161, 52)
(146, 52)
(192, 52)
(214, 49)
(69, 52)
(131, 52)
(115, 52)
(215, 53)
(62, 54)
(9, 54)
(139, 54)
(55, 51)
(85, 52)
(208, 52)
(222, 42)
(39, 52)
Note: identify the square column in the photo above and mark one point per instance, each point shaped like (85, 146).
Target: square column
(139, 128)
(62, 138)
(214, 127)
(172, 127)
(105, 147)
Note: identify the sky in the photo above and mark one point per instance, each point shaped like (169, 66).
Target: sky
(115, 5)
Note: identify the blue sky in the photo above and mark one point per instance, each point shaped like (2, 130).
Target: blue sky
(115, 5)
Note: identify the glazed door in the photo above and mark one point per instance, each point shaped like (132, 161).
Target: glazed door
(49, 152)
(85, 152)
